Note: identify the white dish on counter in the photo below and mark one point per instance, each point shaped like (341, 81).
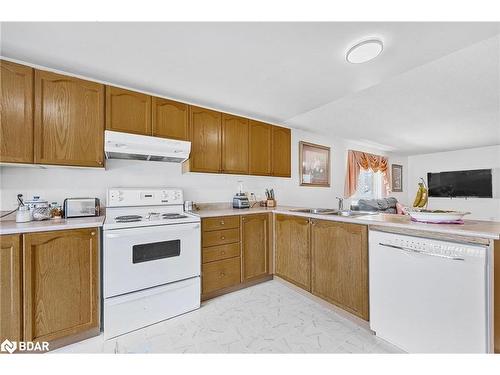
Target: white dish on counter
(437, 216)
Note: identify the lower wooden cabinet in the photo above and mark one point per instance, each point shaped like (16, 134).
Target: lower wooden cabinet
(10, 288)
(235, 253)
(61, 284)
(340, 265)
(293, 251)
(221, 274)
(49, 286)
(255, 245)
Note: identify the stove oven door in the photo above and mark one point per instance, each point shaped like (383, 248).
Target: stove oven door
(145, 257)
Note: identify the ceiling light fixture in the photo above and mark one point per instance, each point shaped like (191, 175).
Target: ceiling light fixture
(364, 51)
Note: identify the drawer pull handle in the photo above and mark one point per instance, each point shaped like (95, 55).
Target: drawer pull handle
(222, 274)
(223, 238)
(223, 252)
(92, 233)
(222, 223)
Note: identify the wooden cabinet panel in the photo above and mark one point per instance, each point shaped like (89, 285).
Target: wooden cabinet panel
(220, 237)
(213, 253)
(170, 119)
(128, 111)
(220, 222)
(340, 265)
(69, 120)
(292, 246)
(259, 148)
(10, 288)
(234, 144)
(281, 151)
(205, 134)
(16, 121)
(496, 296)
(255, 245)
(60, 283)
(220, 274)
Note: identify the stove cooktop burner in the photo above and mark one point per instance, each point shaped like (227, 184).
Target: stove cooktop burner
(174, 216)
(128, 218)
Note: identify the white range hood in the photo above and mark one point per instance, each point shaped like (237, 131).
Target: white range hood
(118, 145)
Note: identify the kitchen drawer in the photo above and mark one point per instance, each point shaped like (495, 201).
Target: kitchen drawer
(221, 237)
(220, 274)
(210, 254)
(221, 222)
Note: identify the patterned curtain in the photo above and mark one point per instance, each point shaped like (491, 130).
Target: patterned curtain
(356, 161)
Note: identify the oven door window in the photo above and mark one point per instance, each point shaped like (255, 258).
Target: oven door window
(156, 250)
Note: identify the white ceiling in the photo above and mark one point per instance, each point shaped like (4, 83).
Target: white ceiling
(295, 73)
(448, 104)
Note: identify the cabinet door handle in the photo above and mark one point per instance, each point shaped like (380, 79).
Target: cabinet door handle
(92, 233)
(223, 238)
(223, 252)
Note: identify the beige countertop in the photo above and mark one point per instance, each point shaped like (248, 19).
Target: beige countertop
(470, 228)
(9, 225)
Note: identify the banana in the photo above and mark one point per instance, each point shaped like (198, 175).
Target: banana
(418, 197)
(425, 197)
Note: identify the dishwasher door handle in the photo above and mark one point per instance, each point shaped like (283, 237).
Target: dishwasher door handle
(409, 250)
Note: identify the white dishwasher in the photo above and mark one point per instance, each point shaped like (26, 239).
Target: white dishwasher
(429, 296)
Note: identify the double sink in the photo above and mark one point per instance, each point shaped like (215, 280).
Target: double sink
(331, 211)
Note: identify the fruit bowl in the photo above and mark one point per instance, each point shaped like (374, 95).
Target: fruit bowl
(437, 216)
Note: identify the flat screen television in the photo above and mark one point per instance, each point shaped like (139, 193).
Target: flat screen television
(473, 183)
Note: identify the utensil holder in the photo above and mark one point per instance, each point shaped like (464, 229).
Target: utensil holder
(271, 203)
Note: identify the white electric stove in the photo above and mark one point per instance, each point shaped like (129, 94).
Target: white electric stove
(151, 258)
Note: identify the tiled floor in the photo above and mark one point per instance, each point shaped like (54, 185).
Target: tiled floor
(266, 318)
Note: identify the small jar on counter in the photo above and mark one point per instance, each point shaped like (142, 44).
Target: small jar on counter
(55, 211)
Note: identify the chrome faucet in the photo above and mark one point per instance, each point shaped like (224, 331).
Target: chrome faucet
(341, 203)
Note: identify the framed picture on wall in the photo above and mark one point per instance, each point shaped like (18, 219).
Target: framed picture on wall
(314, 164)
(397, 178)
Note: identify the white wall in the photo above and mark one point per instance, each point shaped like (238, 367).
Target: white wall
(474, 158)
(55, 184)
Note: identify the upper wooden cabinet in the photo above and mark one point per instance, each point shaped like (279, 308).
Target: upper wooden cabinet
(259, 148)
(234, 144)
(60, 284)
(281, 151)
(10, 288)
(205, 135)
(128, 111)
(293, 252)
(16, 120)
(340, 265)
(49, 118)
(69, 120)
(255, 240)
(170, 119)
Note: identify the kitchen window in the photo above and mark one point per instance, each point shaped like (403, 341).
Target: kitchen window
(370, 185)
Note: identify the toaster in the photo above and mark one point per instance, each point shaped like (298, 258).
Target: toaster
(81, 207)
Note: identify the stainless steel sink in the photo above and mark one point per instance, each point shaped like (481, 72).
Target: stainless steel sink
(332, 211)
(316, 211)
(350, 213)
